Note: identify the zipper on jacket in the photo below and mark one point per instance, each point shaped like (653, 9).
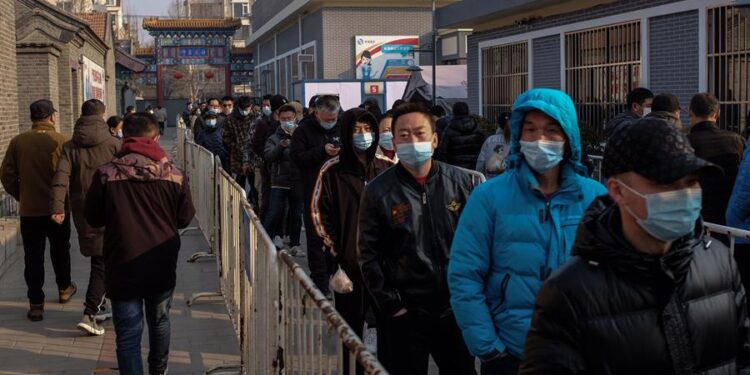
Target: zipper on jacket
(436, 258)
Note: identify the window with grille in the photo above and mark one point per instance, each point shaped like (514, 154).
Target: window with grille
(729, 66)
(505, 75)
(601, 66)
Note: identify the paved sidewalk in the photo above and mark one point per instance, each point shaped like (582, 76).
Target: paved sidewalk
(202, 336)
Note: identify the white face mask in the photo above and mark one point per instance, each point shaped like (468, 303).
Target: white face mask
(646, 110)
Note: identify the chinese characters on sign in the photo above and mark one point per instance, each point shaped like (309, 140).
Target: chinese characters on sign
(384, 57)
(93, 81)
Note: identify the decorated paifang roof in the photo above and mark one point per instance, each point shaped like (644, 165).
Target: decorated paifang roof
(159, 24)
(236, 51)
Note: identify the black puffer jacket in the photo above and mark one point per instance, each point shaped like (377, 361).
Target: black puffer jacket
(405, 235)
(614, 310)
(461, 143)
(308, 150)
(620, 121)
(284, 173)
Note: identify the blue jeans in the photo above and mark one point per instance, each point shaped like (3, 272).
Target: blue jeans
(127, 316)
(279, 201)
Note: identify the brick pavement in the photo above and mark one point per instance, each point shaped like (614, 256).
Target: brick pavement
(202, 336)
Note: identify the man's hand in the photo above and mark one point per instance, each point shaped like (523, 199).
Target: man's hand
(58, 218)
(332, 150)
(285, 143)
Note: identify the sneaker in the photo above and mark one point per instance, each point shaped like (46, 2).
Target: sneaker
(36, 312)
(68, 293)
(102, 316)
(278, 242)
(89, 325)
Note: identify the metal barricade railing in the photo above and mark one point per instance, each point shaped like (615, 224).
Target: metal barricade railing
(596, 172)
(284, 324)
(731, 233)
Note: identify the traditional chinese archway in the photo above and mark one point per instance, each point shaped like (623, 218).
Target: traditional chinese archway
(192, 52)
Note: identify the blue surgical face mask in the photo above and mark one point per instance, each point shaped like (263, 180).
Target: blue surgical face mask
(118, 134)
(214, 110)
(211, 123)
(267, 111)
(327, 125)
(386, 140)
(245, 113)
(288, 126)
(542, 155)
(670, 215)
(362, 141)
(414, 154)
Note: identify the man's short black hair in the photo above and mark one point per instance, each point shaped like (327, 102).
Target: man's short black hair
(638, 96)
(397, 104)
(244, 102)
(227, 98)
(704, 104)
(666, 103)
(93, 107)
(267, 97)
(130, 108)
(287, 108)
(460, 109)
(437, 111)
(408, 108)
(328, 104)
(212, 99)
(312, 102)
(140, 125)
(112, 121)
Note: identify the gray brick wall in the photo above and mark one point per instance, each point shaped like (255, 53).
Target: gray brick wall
(8, 79)
(546, 62)
(547, 22)
(37, 79)
(340, 25)
(673, 65)
(67, 95)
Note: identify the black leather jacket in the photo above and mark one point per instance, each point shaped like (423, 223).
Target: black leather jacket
(405, 235)
(614, 310)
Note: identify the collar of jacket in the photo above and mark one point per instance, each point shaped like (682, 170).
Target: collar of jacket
(600, 241)
(43, 125)
(704, 126)
(570, 190)
(403, 174)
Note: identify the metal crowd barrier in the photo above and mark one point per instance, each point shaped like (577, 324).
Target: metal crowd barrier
(284, 324)
(732, 233)
(596, 173)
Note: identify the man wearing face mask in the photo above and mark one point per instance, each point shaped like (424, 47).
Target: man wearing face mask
(237, 138)
(213, 108)
(518, 228)
(666, 107)
(407, 218)
(336, 201)
(647, 290)
(284, 180)
(315, 141)
(639, 104)
(262, 131)
(212, 138)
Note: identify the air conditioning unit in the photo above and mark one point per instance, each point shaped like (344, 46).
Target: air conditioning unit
(306, 57)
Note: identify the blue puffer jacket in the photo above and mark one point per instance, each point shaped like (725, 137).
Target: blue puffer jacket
(511, 236)
(738, 209)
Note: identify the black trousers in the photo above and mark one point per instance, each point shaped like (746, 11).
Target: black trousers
(352, 307)
(742, 257)
(161, 128)
(508, 365)
(406, 342)
(321, 263)
(35, 231)
(95, 292)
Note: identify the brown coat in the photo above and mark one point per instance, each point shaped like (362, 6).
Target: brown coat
(92, 146)
(28, 167)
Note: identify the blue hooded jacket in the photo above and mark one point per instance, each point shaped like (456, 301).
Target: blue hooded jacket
(511, 236)
(738, 209)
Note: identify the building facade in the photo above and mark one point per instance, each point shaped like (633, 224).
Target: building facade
(597, 51)
(316, 40)
(237, 9)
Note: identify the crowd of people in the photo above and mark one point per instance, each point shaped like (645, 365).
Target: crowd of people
(453, 243)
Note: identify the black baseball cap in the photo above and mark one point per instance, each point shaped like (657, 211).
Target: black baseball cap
(277, 101)
(41, 109)
(655, 150)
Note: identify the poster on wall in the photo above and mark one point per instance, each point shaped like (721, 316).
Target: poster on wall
(384, 57)
(93, 81)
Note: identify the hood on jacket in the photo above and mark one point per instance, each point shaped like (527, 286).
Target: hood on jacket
(464, 124)
(348, 156)
(141, 168)
(600, 239)
(553, 103)
(90, 131)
